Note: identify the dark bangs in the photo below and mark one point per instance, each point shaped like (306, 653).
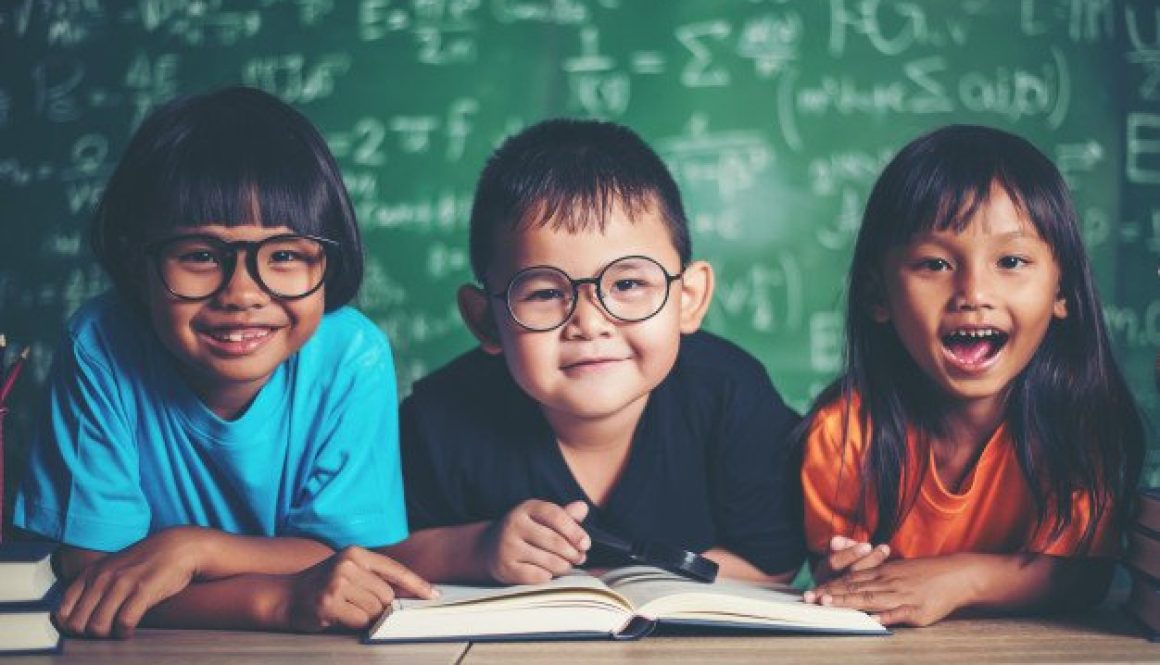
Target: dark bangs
(570, 174)
(235, 157)
(939, 182)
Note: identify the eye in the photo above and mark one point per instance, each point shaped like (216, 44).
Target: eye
(197, 257)
(933, 264)
(286, 256)
(1012, 262)
(625, 284)
(542, 295)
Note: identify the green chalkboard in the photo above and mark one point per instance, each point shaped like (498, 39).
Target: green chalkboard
(775, 116)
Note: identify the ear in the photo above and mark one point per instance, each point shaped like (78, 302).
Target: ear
(696, 293)
(879, 312)
(475, 308)
(1059, 309)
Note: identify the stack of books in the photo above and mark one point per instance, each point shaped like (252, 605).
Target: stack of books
(28, 595)
(1143, 560)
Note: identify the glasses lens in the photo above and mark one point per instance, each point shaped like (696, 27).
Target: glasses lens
(634, 288)
(540, 299)
(192, 267)
(291, 266)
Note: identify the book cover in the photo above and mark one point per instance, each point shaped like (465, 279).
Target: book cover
(625, 603)
(1144, 604)
(1144, 552)
(1148, 509)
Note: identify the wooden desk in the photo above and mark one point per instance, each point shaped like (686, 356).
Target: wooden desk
(1104, 635)
(1101, 636)
(205, 647)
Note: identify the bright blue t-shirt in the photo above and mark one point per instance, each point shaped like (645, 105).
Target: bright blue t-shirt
(125, 448)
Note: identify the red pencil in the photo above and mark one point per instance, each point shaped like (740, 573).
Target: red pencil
(13, 373)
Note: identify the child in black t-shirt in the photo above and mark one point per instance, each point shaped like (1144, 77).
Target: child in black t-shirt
(592, 390)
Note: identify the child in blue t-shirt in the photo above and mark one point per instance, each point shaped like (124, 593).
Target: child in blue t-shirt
(220, 423)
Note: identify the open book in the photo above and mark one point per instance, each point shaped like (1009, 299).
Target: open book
(625, 603)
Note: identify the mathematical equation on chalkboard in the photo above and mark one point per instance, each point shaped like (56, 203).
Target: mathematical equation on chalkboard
(774, 116)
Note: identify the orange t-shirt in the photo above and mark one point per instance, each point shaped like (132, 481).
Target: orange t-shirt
(992, 513)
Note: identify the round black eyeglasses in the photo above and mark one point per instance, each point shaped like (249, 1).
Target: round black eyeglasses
(630, 289)
(197, 267)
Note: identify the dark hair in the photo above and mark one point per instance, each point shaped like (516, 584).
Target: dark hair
(234, 156)
(571, 173)
(1075, 425)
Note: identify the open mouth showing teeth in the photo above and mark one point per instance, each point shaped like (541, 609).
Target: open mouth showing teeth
(974, 346)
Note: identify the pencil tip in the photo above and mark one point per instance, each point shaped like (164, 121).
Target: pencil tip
(24, 353)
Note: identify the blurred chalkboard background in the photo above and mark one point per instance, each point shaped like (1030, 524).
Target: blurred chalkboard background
(775, 116)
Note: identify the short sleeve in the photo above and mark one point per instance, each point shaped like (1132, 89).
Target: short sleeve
(353, 491)
(760, 492)
(82, 485)
(830, 479)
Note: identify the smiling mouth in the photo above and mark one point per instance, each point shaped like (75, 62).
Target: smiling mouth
(971, 348)
(236, 342)
(592, 363)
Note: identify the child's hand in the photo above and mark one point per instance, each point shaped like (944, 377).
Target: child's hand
(916, 592)
(847, 555)
(350, 589)
(110, 596)
(535, 542)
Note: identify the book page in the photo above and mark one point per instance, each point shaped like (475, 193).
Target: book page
(657, 594)
(577, 584)
(575, 603)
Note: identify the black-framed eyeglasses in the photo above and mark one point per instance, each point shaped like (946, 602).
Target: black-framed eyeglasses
(197, 267)
(631, 288)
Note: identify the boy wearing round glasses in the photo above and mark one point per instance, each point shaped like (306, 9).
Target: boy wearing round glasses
(592, 398)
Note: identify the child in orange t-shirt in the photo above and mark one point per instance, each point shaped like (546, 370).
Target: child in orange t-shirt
(981, 433)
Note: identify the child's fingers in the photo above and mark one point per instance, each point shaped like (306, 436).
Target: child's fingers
(838, 543)
(554, 530)
(71, 595)
(903, 614)
(550, 561)
(100, 622)
(398, 575)
(347, 615)
(844, 558)
(577, 510)
(544, 538)
(360, 595)
(875, 558)
(562, 522)
(77, 621)
(868, 599)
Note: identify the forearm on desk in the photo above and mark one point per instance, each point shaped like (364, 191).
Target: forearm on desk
(1036, 581)
(445, 554)
(212, 553)
(242, 602)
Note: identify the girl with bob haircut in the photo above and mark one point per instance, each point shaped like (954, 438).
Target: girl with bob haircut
(981, 447)
(220, 423)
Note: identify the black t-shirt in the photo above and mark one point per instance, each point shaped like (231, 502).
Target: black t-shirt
(711, 461)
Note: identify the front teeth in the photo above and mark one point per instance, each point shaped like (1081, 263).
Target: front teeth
(989, 332)
(239, 337)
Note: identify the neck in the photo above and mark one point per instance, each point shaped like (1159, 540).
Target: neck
(596, 434)
(973, 422)
(227, 401)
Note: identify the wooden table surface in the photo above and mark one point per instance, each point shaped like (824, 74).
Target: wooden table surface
(1103, 635)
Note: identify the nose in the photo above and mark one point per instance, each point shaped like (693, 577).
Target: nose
(242, 291)
(588, 320)
(973, 288)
